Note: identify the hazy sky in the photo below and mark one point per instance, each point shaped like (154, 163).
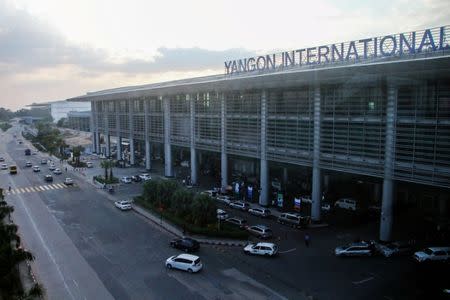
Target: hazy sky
(55, 49)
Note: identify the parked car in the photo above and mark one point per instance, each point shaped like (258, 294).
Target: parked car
(237, 221)
(36, 169)
(145, 176)
(28, 164)
(57, 172)
(123, 205)
(136, 178)
(346, 203)
(394, 248)
(225, 199)
(211, 193)
(2, 158)
(325, 206)
(4, 167)
(240, 205)
(125, 179)
(185, 262)
(261, 231)
(294, 220)
(356, 249)
(265, 249)
(43, 161)
(433, 254)
(184, 163)
(49, 178)
(89, 164)
(221, 214)
(185, 244)
(261, 212)
(52, 167)
(68, 181)
(306, 199)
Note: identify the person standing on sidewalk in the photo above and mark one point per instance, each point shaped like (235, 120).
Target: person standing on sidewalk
(307, 240)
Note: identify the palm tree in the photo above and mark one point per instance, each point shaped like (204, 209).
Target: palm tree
(111, 166)
(105, 165)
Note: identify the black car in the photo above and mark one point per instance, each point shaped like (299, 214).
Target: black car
(48, 178)
(185, 244)
(136, 178)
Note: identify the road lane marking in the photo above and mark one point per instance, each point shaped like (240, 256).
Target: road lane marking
(32, 189)
(61, 185)
(287, 251)
(22, 190)
(364, 280)
(45, 187)
(27, 189)
(50, 187)
(13, 191)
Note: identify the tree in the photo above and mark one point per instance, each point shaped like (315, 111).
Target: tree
(203, 210)
(150, 192)
(61, 122)
(180, 203)
(105, 165)
(111, 165)
(76, 151)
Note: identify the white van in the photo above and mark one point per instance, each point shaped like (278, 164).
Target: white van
(89, 164)
(346, 203)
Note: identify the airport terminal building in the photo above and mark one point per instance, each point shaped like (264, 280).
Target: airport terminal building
(377, 107)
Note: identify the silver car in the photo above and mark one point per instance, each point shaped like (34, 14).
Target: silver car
(261, 212)
(355, 249)
(261, 231)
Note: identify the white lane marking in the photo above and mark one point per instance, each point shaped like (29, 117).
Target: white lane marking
(32, 189)
(22, 190)
(13, 192)
(287, 251)
(56, 186)
(45, 187)
(27, 190)
(44, 244)
(51, 187)
(364, 280)
(41, 187)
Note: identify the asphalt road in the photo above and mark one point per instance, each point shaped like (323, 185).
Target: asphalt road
(87, 249)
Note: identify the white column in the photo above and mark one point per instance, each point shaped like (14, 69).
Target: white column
(118, 129)
(131, 138)
(92, 126)
(194, 166)
(167, 146)
(108, 145)
(264, 168)
(223, 139)
(387, 204)
(147, 138)
(119, 148)
(317, 176)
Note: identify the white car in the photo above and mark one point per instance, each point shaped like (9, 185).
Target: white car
(28, 164)
(126, 179)
(185, 262)
(240, 205)
(225, 199)
(261, 212)
(123, 205)
(145, 176)
(185, 163)
(68, 181)
(433, 254)
(394, 248)
(356, 249)
(346, 203)
(265, 249)
(52, 167)
(36, 169)
(221, 214)
(89, 164)
(57, 172)
(4, 167)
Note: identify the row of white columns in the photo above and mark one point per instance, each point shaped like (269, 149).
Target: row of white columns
(388, 195)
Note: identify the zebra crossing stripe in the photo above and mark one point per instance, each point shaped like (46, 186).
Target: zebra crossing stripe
(56, 186)
(26, 189)
(60, 185)
(45, 187)
(50, 187)
(13, 191)
(22, 190)
(32, 189)
(41, 188)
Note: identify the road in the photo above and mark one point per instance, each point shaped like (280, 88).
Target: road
(87, 249)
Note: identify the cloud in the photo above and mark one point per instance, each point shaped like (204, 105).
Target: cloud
(29, 44)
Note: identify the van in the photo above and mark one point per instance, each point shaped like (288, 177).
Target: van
(89, 164)
(346, 203)
(221, 214)
(294, 219)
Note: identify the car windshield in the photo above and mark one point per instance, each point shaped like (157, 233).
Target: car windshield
(197, 261)
(428, 251)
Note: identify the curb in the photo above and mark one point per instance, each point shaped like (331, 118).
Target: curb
(201, 241)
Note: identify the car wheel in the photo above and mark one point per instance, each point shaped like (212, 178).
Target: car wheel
(189, 270)
(266, 254)
(169, 266)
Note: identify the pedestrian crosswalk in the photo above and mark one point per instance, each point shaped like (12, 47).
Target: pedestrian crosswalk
(37, 188)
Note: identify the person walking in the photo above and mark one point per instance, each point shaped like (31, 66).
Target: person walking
(307, 240)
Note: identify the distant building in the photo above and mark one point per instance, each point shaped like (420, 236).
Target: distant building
(79, 120)
(60, 109)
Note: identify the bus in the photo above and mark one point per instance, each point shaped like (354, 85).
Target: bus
(12, 170)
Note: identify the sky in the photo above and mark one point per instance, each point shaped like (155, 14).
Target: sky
(53, 50)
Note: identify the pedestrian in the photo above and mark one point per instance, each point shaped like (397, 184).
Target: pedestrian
(184, 229)
(9, 188)
(307, 239)
(66, 169)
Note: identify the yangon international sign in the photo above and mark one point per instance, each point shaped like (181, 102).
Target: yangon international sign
(411, 43)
